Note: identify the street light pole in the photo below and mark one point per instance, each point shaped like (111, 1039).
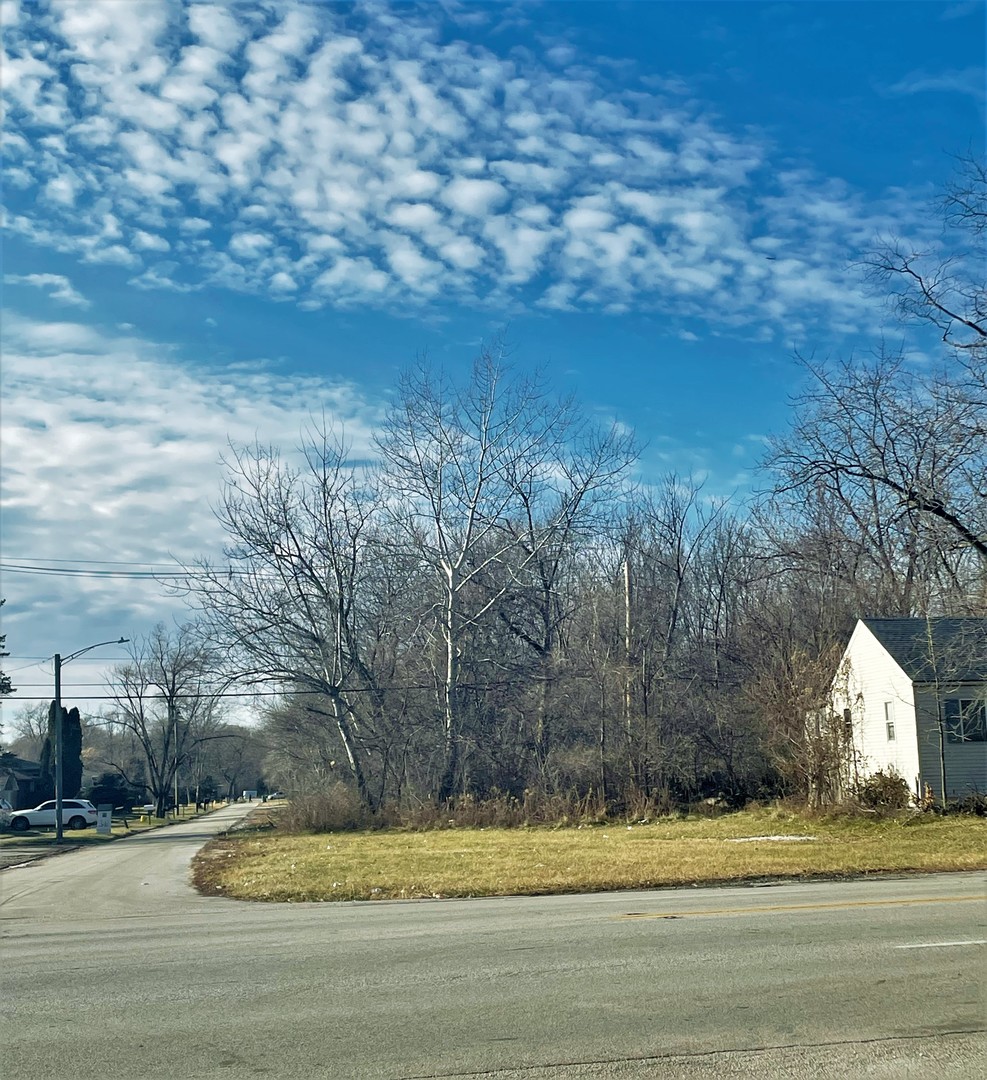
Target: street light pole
(59, 661)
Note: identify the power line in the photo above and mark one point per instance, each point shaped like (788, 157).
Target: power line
(73, 686)
(39, 660)
(269, 693)
(70, 572)
(121, 575)
(92, 562)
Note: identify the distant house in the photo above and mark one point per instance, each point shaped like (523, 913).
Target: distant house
(912, 694)
(19, 780)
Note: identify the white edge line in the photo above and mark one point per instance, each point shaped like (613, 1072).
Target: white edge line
(941, 944)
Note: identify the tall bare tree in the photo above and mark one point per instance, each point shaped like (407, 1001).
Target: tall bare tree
(167, 697)
(562, 514)
(473, 473)
(300, 546)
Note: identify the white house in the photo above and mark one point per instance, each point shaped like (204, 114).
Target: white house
(913, 694)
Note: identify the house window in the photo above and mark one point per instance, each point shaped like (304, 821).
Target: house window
(889, 719)
(966, 720)
(889, 727)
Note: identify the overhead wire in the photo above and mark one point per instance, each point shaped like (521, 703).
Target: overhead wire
(75, 572)
(271, 693)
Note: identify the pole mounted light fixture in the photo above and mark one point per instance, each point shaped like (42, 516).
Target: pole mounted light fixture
(60, 662)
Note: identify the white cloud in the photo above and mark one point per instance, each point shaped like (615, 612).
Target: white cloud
(249, 245)
(110, 450)
(193, 225)
(283, 282)
(402, 164)
(61, 189)
(59, 287)
(969, 81)
(146, 241)
(476, 198)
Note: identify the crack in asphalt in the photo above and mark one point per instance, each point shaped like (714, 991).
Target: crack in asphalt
(693, 1054)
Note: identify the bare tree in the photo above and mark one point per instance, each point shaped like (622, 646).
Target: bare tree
(562, 514)
(899, 450)
(285, 608)
(234, 755)
(944, 286)
(472, 474)
(28, 729)
(167, 698)
(903, 447)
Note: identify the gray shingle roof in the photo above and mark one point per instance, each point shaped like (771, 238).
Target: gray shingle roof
(958, 650)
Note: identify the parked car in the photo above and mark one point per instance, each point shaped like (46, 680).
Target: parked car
(76, 814)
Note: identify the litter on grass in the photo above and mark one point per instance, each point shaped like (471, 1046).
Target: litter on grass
(751, 839)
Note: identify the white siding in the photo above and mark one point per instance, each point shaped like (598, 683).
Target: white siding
(869, 681)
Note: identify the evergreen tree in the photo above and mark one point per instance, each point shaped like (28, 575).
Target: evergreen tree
(46, 778)
(5, 686)
(71, 753)
(71, 756)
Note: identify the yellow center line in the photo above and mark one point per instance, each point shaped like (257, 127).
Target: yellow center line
(801, 907)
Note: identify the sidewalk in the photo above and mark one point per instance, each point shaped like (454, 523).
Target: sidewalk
(18, 854)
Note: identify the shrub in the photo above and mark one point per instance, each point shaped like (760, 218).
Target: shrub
(110, 787)
(884, 791)
(501, 810)
(975, 803)
(337, 809)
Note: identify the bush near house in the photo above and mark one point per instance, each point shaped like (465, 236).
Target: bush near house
(884, 790)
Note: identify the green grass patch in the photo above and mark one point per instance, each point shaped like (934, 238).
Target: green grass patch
(260, 863)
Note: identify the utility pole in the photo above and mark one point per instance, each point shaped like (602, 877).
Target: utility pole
(58, 748)
(59, 662)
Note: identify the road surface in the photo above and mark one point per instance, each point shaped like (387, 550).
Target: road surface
(111, 966)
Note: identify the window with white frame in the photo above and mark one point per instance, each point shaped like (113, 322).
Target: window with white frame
(889, 720)
(966, 720)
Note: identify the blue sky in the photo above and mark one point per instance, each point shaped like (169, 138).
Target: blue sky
(219, 217)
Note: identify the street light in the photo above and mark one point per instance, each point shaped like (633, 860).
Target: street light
(59, 661)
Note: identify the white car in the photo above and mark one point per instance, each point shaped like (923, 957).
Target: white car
(76, 814)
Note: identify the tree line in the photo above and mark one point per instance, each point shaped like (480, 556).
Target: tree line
(493, 601)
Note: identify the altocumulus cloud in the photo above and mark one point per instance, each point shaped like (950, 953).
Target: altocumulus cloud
(346, 154)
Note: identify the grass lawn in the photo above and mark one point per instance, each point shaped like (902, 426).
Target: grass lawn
(263, 864)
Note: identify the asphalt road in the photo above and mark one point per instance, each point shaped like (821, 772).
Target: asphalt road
(111, 967)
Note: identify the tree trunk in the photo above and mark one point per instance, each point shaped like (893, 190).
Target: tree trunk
(339, 711)
(451, 721)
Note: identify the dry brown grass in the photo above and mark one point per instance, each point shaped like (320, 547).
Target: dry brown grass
(263, 864)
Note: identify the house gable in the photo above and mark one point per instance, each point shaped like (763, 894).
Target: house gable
(877, 696)
(19, 779)
(899, 680)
